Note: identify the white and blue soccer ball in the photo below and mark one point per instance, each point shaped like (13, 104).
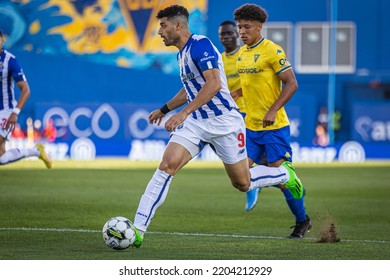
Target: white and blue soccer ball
(119, 233)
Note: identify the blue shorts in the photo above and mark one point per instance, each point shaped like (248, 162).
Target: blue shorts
(273, 144)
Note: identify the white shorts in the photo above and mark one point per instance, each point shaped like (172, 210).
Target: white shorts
(225, 134)
(4, 115)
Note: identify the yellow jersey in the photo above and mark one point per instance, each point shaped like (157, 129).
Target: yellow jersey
(258, 67)
(233, 79)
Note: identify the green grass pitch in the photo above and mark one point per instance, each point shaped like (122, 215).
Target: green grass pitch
(58, 214)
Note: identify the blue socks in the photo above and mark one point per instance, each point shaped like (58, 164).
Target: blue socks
(297, 206)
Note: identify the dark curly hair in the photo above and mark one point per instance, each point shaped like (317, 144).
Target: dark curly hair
(228, 22)
(172, 11)
(250, 12)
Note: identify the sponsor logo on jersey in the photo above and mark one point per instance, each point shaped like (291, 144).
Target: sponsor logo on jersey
(250, 71)
(187, 77)
(207, 58)
(283, 61)
(256, 57)
(232, 76)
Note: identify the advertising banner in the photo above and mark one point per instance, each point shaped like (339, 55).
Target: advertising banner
(371, 122)
(85, 131)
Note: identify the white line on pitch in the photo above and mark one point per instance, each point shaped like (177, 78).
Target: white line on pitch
(184, 234)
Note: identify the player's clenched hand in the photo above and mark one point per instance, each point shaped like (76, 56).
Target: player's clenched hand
(156, 117)
(175, 121)
(236, 94)
(269, 118)
(11, 122)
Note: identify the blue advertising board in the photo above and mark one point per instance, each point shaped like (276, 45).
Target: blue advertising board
(85, 131)
(371, 122)
(102, 129)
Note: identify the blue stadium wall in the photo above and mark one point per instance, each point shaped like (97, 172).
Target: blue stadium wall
(71, 83)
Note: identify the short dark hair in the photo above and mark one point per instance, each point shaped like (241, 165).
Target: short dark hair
(228, 22)
(172, 11)
(251, 12)
(1, 33)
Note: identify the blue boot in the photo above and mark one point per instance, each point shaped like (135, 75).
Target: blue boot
(251, 199)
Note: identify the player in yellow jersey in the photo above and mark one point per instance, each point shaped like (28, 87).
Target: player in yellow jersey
(267, 84)
(228, 35)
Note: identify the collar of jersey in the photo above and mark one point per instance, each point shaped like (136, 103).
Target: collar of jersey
(255, 45)
(233, 52)
(188, 42)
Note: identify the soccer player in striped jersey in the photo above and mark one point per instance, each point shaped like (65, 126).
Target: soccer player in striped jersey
(210, 117)
(11, 72)
(268, 82)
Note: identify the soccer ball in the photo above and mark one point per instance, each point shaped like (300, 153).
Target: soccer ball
(119, 233)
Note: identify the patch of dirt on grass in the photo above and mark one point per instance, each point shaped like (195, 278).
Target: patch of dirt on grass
(328, 234)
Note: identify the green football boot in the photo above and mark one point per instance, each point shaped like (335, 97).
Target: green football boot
(293, 184)
(44, 156)
(138, 239)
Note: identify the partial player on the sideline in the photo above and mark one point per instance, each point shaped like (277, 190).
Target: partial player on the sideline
(11, 72)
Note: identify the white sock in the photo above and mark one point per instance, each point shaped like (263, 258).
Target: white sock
(32, 152)
(17, 154)
(263, 176)
(154, 196)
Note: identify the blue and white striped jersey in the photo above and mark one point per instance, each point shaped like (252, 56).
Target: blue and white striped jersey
(198, 55)
(10, 72)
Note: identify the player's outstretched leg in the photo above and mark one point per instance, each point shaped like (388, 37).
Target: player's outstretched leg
(44, 156)
(293, 184)
(251, 199)
(264, 176)
(153, 197)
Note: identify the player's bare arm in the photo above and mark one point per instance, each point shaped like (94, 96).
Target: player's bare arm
(236, 94)
(24, 95)
(290, 87)
(178, 100)
(209, 89)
